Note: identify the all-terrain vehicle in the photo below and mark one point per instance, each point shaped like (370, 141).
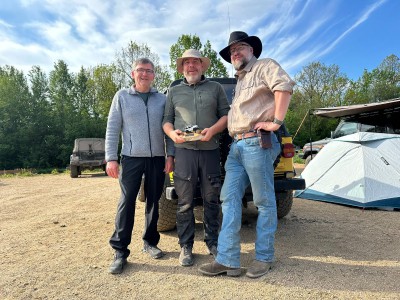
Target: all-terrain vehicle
(284, 174)
(88, 153)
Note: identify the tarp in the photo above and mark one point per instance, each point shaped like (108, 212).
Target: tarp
(361, 169)
(388, 106)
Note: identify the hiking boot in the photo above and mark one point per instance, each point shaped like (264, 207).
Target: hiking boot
(153, 251)
(212, 250)
(186, 257)
(215, 268)
(117, 265)
(258, 268)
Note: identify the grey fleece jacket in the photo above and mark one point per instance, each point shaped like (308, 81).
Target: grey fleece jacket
(139, 125)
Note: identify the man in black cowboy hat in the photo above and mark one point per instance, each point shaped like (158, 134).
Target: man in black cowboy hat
(262, 97)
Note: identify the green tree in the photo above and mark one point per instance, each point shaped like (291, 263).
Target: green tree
(82, 100)
(102, 87)
(41, 123)
(14, 117)
(131, 53)
(386, 79)
(62, 99)
(318, 85)
(382, 83)
(217, 68)
(88, 123)
(185, 41)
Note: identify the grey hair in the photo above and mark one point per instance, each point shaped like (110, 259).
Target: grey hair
(142, 61)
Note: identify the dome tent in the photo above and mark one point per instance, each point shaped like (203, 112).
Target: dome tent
(361, 169)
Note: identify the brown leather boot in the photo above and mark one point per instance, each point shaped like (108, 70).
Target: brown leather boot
(215, 268)
(258, 269)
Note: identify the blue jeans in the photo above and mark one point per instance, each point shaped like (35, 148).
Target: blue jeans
(248, 163)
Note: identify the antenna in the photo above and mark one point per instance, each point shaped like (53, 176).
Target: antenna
(229, 27)
(229, 17)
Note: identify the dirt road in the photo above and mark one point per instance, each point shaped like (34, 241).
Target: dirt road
(54, 234)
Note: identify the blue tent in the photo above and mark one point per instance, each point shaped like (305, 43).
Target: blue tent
(361, 169)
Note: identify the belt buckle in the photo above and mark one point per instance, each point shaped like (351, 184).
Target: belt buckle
(252, 132)
(237, 137)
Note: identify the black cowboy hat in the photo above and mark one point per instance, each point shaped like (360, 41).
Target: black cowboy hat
(240, 36)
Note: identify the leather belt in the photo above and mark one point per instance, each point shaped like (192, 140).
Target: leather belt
(244, 135)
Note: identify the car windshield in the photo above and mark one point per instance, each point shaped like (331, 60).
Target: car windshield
(345, 129)
(349, 127)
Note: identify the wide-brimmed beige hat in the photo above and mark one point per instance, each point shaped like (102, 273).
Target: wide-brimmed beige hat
(192, 53)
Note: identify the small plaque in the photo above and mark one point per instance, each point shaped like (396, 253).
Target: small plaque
(192, 133)
(192, 136)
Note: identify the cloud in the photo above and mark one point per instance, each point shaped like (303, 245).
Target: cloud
(364, 17)
(5, 24)
(40, 32)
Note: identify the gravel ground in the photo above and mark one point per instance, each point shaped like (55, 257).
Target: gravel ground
(54, 234)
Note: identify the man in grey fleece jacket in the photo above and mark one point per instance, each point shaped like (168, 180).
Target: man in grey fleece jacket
(137, 113)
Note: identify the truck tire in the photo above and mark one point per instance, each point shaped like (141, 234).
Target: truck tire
(167, 213)
(74, 171)
(284, 201)
(198, 212)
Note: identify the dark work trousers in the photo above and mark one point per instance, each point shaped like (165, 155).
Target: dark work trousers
(192, 166)
(130, 178)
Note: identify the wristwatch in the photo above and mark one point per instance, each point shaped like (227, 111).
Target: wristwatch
(276, 121)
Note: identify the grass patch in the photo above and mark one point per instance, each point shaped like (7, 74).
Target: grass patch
(298, 160)
(18, 172)
(31, 172)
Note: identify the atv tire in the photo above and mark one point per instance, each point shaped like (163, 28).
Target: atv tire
(74, 171)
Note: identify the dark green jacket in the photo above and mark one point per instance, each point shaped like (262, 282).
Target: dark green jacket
(202, 104)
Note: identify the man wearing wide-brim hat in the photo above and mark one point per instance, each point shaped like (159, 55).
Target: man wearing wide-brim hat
(262, 97)
(200, 103)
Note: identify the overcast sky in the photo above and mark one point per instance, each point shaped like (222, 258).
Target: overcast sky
(353, 34)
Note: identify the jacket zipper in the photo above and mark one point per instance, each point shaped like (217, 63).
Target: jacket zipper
(148, 125)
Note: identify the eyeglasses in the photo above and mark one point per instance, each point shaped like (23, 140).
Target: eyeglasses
(147, 71)
(238, 48)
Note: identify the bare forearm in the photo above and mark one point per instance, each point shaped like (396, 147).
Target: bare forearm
(282, 100)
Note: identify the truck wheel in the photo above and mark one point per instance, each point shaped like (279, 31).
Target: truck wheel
(141, 196)
(198, 212)
(308, 159)
(167, 213)
(74, 171)
(284, 201)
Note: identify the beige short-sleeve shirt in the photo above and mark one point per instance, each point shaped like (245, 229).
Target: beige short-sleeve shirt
(254, 99)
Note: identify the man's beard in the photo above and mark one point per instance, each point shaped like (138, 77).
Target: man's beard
(240, 64)
(193, 78)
